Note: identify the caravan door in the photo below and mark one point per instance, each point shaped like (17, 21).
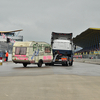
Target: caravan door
(35, 55)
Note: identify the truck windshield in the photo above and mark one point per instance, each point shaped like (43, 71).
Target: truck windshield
(20, 50)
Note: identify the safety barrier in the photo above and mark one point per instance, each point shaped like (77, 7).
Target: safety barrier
(84, 60)
(0, 58)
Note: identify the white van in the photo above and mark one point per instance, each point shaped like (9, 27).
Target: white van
(32, 53)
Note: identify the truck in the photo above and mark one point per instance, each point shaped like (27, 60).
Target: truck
(32, 52)
(62, 48)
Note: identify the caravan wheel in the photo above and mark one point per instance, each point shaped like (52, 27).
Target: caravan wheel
(40, 63)
(24, 64)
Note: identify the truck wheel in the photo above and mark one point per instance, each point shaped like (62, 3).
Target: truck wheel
(71, 63)
(40, 64)
(63, 64)
(24, 64)
(67, 63)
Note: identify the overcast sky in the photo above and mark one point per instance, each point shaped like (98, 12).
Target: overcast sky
(39, 18)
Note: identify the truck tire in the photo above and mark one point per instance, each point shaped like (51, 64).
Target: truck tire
(40, 63)
(71, 63)
(64, 64)
(24, 64)
(67, 63)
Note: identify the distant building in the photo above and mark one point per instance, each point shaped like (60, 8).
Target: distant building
(89, 40)
(7, 39)
(12, 35)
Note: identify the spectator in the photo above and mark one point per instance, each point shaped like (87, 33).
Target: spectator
(7, 55)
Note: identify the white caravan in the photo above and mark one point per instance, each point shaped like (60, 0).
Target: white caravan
(32, 53)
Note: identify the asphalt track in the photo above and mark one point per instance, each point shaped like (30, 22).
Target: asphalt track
(78, 82)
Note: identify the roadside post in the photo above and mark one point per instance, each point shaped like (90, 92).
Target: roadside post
(0, 58)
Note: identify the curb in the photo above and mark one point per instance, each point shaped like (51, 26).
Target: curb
(86, 61)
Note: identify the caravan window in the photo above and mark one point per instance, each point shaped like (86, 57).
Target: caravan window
(47, 50)
(20, 50)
